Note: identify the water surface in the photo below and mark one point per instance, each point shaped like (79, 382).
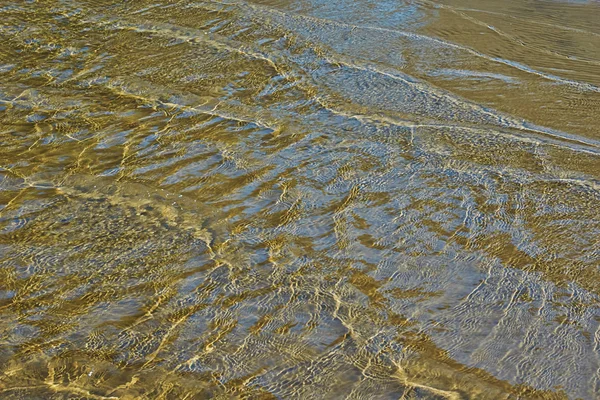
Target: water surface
(299, 199)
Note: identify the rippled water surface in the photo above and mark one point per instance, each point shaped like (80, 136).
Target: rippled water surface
(308, 199)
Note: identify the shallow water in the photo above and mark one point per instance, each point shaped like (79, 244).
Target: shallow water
(299, 199)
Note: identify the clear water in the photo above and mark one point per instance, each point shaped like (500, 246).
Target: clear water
(299, 199)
